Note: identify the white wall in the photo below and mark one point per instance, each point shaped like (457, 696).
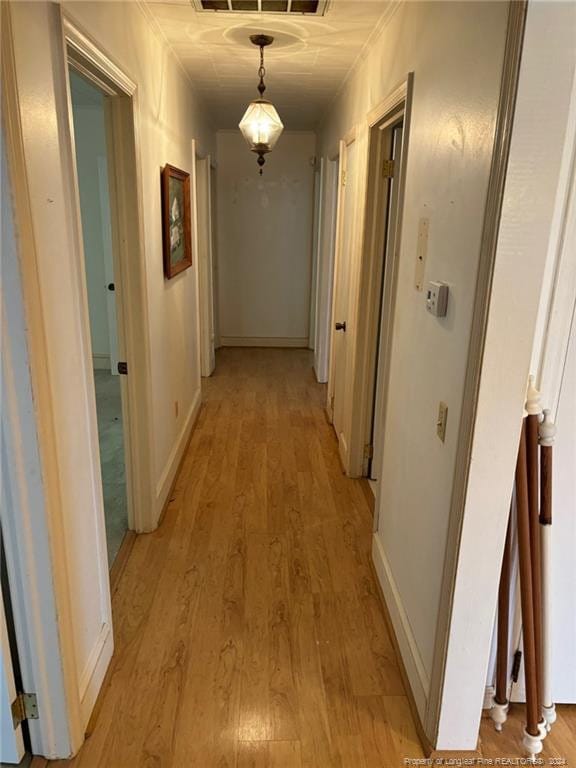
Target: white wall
(90, 140)
(167, 118)
(542, 140)
(265, 240)
(564, 538)
(455, 50)
(554, 351)
(170, 116)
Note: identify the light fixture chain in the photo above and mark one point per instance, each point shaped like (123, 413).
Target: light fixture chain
(261, 72)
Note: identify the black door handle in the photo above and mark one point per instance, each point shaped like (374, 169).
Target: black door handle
(340, 326)
(111, 287)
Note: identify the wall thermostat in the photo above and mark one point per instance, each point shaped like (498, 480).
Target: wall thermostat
(437, 298)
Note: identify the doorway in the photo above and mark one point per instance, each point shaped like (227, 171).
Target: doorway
(204, 203)
(391, 139)
(92, 155)
(373, 253)
(326, 258)
(343, 274)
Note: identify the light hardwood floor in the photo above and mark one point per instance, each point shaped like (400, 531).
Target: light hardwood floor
(559, 746)
(249, 627)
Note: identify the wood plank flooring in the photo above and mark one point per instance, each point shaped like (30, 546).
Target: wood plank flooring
(559, 745)
(249, 629)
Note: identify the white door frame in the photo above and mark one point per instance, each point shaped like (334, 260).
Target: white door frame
(367, 298)
(55, 430)
(31, 521)
(364, 286)
(205, 263)
(121, 108)
(373, 261)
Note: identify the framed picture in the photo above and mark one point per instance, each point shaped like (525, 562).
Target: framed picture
(176, 239)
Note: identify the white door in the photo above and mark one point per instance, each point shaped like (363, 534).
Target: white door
(205, 269)
(325, 278)
(11, 742)
(108, 258)
(340, 317)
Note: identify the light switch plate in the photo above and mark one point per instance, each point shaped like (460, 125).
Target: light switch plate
(437, 298)
(441, 421)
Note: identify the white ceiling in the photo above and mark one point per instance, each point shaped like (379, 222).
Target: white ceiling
(306, 65)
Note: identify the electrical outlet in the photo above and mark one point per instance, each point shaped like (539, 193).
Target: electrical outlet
(441, 421)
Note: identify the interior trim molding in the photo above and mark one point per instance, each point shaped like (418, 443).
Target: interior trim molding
(264, 341)
(126, 198)
(81, 48)
(101, 361)
(489, 693)
(374, 37)
(393, 101)
(350, 136)
(39, 548)
(172, 466)
(374, 272)
(95, 670)
(409, 653)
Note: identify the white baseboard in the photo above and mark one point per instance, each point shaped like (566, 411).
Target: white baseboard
(321, 378)
(263, 341)
(417, 675)
(167, 477)
(343, 449)
(518, 691)
(94, 672)
(489, 692)
(101, 362)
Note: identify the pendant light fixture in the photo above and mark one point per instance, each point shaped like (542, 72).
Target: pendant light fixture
(261, 125)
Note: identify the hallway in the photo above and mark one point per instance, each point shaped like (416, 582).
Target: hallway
(248, 628)
(336, 196)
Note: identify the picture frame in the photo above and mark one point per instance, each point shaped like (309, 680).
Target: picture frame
(176, 223)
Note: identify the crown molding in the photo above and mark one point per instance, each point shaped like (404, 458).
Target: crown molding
(371, 41)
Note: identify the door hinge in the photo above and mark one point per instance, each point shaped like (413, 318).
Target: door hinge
(388, 169)
(368, 451)
(123, 368)
(343, 178)
(24, 707)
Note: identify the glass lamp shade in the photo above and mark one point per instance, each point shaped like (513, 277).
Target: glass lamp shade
(261, 126)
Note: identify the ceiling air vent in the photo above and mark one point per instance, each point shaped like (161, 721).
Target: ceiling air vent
(311, 7)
